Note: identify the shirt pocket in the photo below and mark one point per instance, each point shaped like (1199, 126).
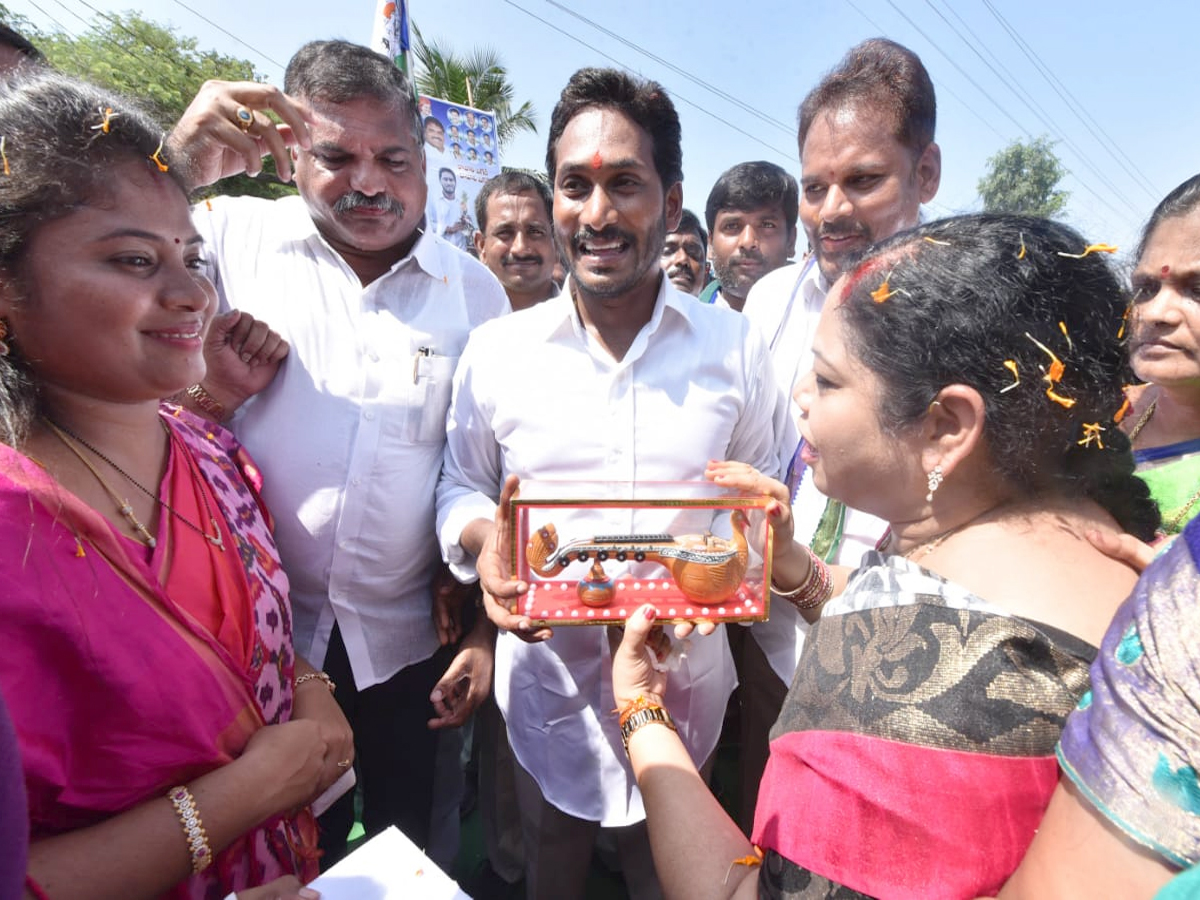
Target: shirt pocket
(433, 377)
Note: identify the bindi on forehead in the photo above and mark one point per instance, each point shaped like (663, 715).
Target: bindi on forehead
(1165, 271)
(597, 160)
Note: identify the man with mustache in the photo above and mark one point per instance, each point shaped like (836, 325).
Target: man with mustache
(513, 240)
(751, 215)
(351, 431)
(868, 161)
(684, 255)
(612, 380)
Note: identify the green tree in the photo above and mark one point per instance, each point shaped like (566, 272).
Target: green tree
(1022, 178)
(156, 66)
(478, 79)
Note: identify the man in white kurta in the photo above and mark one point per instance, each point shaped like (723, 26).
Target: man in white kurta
(868, 162)
(351, 431)
(534, 396)
(621, 378)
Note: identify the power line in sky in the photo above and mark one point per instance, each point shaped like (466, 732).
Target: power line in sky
(786, 128)
(782, 153)
(1075, 106)
(1009, 81)
(250, 47)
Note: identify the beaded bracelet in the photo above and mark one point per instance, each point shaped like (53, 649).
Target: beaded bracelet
(813, 590)
(315, 676)
(193, 829)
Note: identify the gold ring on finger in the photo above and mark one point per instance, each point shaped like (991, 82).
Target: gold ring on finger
(343, 764)
(243, 118)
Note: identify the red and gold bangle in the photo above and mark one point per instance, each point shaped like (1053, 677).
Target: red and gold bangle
(193, 829)
(813, 590)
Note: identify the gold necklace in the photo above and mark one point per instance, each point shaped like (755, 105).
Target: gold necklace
(1141, 422)
(62, 432)
(1171, 526)
(123, 505)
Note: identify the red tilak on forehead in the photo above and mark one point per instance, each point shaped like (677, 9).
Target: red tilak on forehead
(597, 160)
(1166, 270)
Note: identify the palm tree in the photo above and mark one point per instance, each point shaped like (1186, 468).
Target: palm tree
(478, 79)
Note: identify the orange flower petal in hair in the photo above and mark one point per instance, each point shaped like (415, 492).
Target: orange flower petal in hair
(1124, 322)
(882, 292)
(1011, 365)
(930, 240)
(1124, 410)
(1053, 374)
(1021, 252)
(4, 156)
(106, 117)
(156, 156)
(1091, 435)
(1091, 248)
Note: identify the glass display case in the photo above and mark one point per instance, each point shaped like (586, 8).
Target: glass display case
(593, 552)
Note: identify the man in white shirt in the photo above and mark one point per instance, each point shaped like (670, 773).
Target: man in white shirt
(350, 433)
(514, 240)
(620, 378)
(751, 216)
(868, 161)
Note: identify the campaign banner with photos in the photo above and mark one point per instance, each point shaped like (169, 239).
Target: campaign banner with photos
(461, 153)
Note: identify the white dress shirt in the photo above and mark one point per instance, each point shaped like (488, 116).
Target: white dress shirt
(350, 434)
(537, 396)
(786, 305)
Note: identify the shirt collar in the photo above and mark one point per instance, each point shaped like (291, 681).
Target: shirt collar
(560, 311)
(424, 252)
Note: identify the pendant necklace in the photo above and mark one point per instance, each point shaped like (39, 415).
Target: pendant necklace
(123, 505)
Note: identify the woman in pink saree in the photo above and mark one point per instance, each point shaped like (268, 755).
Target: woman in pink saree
(170, 737)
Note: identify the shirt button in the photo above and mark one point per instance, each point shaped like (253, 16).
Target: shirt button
(368, 415)
(374, 357)
(356, 481)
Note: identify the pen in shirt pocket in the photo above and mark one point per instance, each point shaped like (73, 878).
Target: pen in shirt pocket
(422, 352)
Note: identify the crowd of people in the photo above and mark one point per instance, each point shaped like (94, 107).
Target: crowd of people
(258, 458)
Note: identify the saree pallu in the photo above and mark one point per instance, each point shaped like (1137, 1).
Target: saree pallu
(914, 755)
(1133, 746)
(117, 692)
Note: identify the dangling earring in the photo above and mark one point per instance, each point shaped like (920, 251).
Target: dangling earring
(3, 335)
(934, 481)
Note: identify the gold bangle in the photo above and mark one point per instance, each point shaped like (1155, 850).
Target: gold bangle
(645, 716)
(193, 829)
(315, 676)
(206, 401)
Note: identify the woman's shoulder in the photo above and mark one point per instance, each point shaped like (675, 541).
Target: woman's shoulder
(1047, 571)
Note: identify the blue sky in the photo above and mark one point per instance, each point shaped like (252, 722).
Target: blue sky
(1127, 127)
